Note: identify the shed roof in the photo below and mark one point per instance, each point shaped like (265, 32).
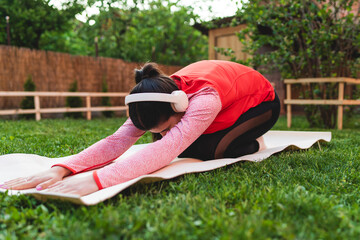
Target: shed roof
(204, 27)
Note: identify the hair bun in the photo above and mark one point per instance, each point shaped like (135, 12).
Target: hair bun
(149, 70)
(138, 75)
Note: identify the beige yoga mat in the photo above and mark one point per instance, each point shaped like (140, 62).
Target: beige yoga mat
(21, 165)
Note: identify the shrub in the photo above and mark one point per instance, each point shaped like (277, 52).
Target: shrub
(105, 101)
(28, 102)
(74, 102)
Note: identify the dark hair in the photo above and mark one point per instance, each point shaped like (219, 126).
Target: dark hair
(147, 115)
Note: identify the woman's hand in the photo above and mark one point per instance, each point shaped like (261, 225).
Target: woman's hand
(41, 180)
(75, 185)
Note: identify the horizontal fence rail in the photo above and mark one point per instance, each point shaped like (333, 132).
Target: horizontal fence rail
(323, 80)
(38, 110)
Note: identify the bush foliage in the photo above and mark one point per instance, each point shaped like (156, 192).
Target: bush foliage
(74, 102)
(28, 102)
(105, 101)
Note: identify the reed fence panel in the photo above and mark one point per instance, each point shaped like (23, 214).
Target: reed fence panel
(54, 71)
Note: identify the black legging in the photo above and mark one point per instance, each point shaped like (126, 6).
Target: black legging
(239, 139)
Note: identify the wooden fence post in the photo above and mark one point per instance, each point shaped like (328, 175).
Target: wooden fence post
(340, 107)
(288, 107)
(88, 106)
(37, 108)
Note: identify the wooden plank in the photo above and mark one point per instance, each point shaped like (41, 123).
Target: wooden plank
(100, 109)
(82, 109)
(232, 42)
(321, 102)
(288, 110)
(227, 34)
(61, 110)
(108, 94)
(37, 108)
(340, 107)
(211, 42)
(62, 94)
(322, 80)
(17, 111)
(351, 102)
(88, 106)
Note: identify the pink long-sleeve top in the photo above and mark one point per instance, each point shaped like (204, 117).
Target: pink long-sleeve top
(204, 106)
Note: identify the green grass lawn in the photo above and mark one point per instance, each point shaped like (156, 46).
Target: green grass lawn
(307, 194)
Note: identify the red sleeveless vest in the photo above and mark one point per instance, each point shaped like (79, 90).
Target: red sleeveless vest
(239, 87)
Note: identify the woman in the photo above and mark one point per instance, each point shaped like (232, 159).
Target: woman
(221, 111)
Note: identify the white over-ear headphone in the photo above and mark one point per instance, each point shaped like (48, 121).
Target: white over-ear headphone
(178, 99)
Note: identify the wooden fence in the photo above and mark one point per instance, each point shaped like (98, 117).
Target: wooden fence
(340, 102)
(38, 110)
(55, 72)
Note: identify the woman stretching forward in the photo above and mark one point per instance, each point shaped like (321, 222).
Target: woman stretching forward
(208, 110)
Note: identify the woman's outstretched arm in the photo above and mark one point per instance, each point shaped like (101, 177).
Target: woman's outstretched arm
(98, 154)
(105, 150)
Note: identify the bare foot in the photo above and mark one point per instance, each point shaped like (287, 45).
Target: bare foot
(261, 142)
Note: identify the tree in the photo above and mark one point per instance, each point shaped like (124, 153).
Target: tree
(69, 41)
(158, 31)
(32, 21)
(317, 38)
(140, 31)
